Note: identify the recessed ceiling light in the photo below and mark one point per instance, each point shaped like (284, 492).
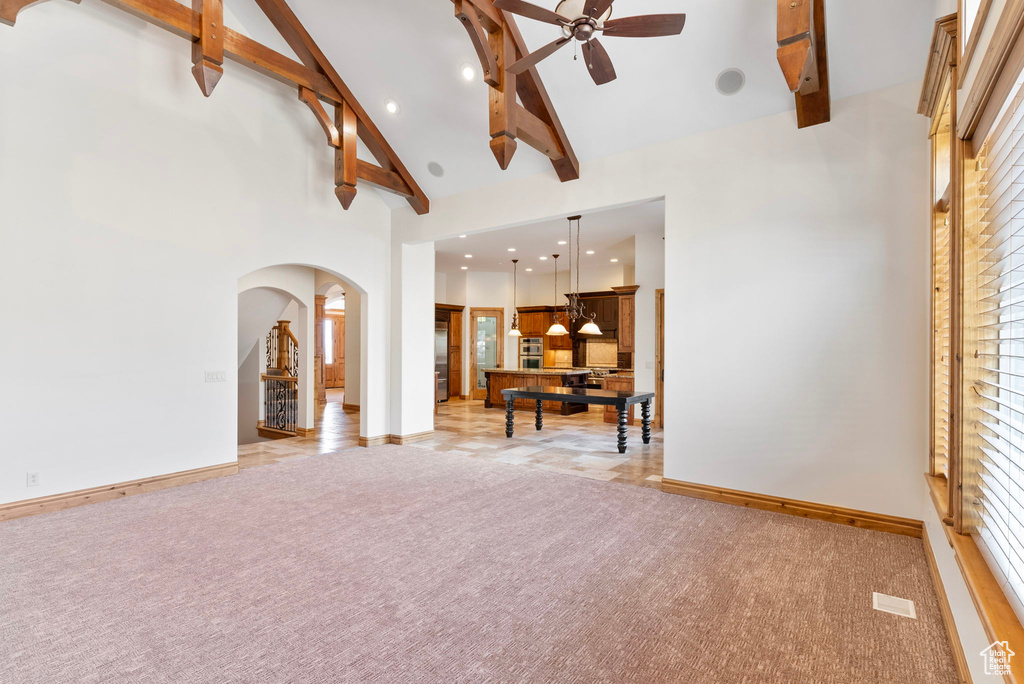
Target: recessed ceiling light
(529, 269)
(590, 251)
(467, 71)
(462, 236)
(614, 261)
(465, 268)
(435, 169)
(543, 258)
(562, 242)
(511, 249)
(392, 106)
(469, 256)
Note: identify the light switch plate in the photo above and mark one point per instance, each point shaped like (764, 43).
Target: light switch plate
(216, 376)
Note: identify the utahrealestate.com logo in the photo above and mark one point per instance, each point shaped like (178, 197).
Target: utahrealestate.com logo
(997, 658)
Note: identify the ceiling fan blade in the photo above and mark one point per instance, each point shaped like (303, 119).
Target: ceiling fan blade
(595, 8)
(525, 9)
(598, 62)
(646, 26)
(532, 59)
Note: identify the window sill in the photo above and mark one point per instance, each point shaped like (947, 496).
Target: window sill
(997, 616)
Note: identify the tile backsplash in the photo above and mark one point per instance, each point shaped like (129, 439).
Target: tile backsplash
(601, 353)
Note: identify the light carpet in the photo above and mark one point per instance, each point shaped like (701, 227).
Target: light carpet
(398, 564)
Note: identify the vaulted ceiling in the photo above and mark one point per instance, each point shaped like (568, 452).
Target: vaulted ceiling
(412, 50)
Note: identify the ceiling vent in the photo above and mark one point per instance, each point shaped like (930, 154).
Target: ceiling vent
(730, 81)
(891, 604)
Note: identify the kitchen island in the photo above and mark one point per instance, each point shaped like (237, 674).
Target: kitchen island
(499, 379)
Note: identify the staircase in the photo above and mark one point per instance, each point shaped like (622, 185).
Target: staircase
(281, 384)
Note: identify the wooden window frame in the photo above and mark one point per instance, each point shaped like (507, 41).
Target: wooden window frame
(999, 73)
(967, 50)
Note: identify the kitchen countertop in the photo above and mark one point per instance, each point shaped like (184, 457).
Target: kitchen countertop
(537, 371)
(617, 371)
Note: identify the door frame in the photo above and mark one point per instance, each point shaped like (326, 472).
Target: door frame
(659, 358)
(474, 312)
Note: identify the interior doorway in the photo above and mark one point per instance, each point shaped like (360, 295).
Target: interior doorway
(487, 326)
(334, 349)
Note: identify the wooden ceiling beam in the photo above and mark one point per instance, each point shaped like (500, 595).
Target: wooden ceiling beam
(503, 101)
(528, 86)
(330, 129)
(316, 80)
(208, 49)
(466, 12)
(9, 9)
(537, 134)
(312, 56)
(803, 56)
(388, 181)
(346, 166)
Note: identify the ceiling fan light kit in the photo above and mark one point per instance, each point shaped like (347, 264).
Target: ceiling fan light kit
(583, 20)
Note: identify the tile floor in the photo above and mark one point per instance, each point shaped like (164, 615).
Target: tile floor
(582, 445)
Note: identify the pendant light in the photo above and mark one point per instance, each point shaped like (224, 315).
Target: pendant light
(515, 332)
(556, 329)
(574, 308)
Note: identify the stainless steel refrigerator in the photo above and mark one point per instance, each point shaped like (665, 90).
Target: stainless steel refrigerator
(441, 357)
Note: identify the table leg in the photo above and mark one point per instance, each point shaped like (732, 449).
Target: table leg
(510, 414)
(540, 414)
(645, 414)
(623, 419)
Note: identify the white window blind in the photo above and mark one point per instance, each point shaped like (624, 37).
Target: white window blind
(993, 420)
(940, 342)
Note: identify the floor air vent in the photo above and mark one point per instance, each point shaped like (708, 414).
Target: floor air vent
(891, 604)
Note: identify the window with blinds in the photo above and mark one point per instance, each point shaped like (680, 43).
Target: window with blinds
(993, 365)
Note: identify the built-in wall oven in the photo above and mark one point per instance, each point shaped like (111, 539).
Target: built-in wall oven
(531, 353)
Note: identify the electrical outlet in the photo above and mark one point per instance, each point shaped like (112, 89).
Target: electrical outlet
(650, 365)
(31, 479)
(216, 376)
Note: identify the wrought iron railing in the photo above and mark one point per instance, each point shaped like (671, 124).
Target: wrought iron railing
(281, 403)
(281, 381)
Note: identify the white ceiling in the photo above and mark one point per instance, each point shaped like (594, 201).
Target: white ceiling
(411, 51)
(608, 233)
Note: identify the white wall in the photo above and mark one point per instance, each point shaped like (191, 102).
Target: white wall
(796, 290)
(412, 340)
(149, 202)
(650, 276)
(539, 289)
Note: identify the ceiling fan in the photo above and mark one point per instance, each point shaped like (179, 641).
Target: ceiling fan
(583, 20)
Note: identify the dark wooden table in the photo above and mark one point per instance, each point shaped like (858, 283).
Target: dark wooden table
(581, 395)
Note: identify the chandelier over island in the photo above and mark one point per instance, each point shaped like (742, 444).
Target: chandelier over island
(574, 306)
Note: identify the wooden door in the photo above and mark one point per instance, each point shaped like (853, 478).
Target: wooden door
(455, 355)
(486, 346)
(334, 350)
(659, 358)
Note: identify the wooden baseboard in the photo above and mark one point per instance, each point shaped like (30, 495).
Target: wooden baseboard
(410, 439)
(273, 433)
(805, 509)
(81, 497)
(395, 439)
(305, 432)
(350, 407)
(464, 397)
(963, 670)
